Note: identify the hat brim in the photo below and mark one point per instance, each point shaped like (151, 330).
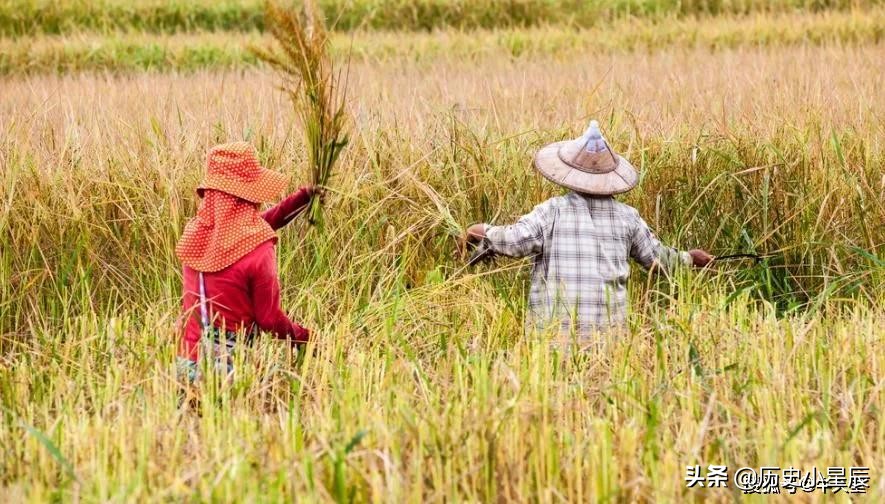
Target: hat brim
(620, 180)
(267, 188)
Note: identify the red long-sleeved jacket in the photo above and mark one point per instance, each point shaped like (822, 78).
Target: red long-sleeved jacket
(246, 294)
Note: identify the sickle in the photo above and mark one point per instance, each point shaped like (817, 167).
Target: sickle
(481, 252)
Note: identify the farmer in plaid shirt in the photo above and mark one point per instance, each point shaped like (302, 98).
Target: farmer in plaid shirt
(581, 242)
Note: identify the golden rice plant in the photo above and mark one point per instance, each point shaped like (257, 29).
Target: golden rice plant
(316, 87)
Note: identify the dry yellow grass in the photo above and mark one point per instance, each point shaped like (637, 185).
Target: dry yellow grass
(663, 93)
(782, 146)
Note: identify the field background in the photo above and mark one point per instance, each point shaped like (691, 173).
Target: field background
(757, 126)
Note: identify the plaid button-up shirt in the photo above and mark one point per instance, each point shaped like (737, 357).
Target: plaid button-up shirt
(581, 246)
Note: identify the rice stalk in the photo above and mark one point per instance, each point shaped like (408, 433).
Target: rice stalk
(316, 88)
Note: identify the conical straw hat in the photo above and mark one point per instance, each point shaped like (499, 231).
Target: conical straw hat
(587, 165)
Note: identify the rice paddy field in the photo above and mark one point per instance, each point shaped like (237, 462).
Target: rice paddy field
(756, 126)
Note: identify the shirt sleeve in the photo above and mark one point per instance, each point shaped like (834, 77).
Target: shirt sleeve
(265, 291)
(648, 251)
(525, 237)
(288, 209)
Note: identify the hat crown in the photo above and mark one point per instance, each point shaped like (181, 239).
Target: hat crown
(235, 160)
(590, 153)
(594, 139)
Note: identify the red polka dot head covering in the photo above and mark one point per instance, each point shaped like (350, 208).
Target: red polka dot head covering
(228, 224)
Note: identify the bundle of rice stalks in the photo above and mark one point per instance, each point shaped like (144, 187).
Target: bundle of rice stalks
(313, 83)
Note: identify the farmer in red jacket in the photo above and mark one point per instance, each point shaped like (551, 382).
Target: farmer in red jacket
(231, 286)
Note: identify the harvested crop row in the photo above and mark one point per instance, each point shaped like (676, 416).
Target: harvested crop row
(20, 17)
(128, 52)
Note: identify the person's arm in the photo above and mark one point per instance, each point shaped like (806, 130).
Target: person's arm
(647, 250)
(265, 289)
(524, 238)
(289, 208)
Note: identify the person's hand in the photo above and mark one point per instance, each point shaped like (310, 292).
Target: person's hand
(472, 236)
(475, 233)
(316, 191)
(700, 258)
(301, 335)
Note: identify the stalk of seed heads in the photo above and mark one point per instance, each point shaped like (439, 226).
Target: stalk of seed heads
(315, 87)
